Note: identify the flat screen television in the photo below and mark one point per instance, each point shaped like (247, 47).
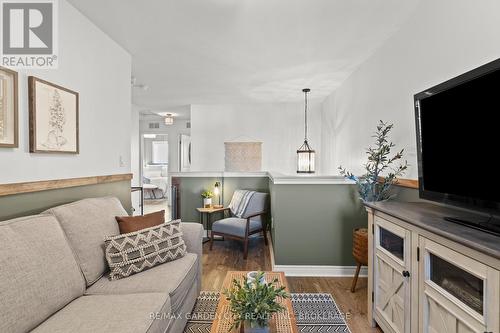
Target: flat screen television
(458, 141)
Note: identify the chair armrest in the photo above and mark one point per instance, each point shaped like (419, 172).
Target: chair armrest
(193, 237)
(254, 215)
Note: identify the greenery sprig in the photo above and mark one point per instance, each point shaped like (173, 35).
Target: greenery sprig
(371, 186)
(254, 301)
(207, 194)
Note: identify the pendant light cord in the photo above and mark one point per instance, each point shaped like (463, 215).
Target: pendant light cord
(305, 116)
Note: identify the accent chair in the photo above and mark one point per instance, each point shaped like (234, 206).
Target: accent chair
(240, 228)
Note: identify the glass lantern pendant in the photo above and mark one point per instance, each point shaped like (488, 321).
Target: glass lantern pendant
(305, 154)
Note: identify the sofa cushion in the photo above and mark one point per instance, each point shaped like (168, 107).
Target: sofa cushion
(135, 252)
(135, 223)
(112, 314)
(235, 226)
(175, 277)
(38, 272)
(86, 223)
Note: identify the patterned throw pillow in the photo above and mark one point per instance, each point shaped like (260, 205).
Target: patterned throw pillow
(134, 252)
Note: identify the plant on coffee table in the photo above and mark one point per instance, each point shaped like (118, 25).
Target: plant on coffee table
(252, 303)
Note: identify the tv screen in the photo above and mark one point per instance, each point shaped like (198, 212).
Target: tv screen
(458, 138)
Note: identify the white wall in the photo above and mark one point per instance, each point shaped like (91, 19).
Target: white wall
(173, 132)
(279, 126)
(99, 69)
(135, 158)
(135, 151)
(441, 40)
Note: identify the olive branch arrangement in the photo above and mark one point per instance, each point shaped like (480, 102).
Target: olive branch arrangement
(371, 185)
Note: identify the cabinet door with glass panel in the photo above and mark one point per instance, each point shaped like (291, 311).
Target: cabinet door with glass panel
(392, 275)
(457, 293)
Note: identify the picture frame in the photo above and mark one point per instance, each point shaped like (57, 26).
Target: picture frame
(9, 117)
(53, 118)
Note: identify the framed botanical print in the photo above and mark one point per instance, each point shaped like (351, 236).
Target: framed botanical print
(53, 118)
(9, 131)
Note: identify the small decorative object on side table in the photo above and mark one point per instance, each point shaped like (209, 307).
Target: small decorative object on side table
(207, 198)
(359, 252)
(231, 308)
(206, 217)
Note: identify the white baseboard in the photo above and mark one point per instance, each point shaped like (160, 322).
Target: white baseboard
(326, 271)
(337, 271)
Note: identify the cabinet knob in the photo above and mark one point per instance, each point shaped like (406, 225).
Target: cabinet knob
(405, 274)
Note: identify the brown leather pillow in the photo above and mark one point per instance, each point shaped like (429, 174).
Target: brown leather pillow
(135, 223)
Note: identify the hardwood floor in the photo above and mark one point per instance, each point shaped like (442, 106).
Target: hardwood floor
(228, 256)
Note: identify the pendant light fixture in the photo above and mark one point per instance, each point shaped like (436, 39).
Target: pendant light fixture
(169, 119)
(305, 155)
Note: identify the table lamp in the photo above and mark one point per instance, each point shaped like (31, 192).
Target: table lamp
(217, 193)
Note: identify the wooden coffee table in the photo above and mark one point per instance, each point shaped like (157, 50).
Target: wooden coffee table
(283, 322)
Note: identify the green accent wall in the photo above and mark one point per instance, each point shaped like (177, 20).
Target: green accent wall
(313, 224)
(24, 204)
(190, 196)
(310, 224)
(191, 188)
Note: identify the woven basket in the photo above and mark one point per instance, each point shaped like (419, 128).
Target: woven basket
(360, 245)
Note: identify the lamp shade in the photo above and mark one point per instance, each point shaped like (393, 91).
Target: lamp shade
(306, 159)
(216, 188)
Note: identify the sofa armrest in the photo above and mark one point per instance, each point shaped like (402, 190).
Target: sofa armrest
(193, 237)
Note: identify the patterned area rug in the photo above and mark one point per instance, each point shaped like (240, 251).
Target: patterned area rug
(314, 313)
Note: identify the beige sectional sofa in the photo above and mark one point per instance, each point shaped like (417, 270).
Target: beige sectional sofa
(53, 276)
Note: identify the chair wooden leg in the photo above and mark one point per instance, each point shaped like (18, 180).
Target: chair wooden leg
(245, 248)
(265, 236)
(355, 278)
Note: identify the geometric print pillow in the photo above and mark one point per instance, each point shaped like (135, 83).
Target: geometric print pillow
(134, 252)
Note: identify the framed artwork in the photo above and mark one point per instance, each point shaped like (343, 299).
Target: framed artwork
(53, 118)
(9, 131)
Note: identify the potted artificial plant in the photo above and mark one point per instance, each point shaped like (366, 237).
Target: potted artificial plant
(381, 170)
(253, 302)
(207, 198)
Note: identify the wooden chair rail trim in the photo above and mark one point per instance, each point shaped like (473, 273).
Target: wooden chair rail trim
(44, 185)
(409, 183)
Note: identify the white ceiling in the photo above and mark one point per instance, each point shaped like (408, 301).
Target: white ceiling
(243, 51)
